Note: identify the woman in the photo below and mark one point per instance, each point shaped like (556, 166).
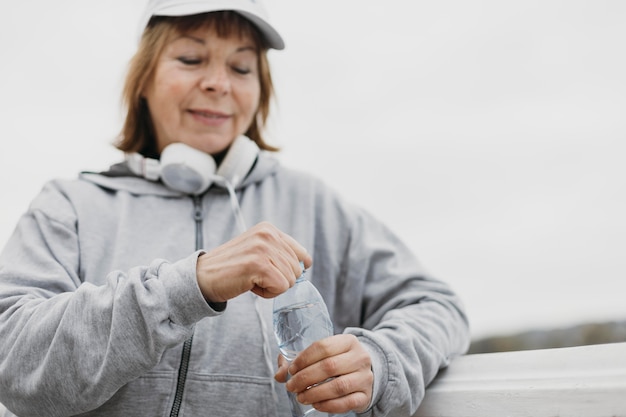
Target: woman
(140, 291)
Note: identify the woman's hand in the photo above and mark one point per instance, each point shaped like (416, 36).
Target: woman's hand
(340, 357)
(263, 260)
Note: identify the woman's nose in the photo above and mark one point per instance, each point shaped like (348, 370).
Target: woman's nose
(215, 79)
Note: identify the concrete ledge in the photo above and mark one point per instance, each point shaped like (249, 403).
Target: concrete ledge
(585, 381)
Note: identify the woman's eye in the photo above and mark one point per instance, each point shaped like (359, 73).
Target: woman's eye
(241, 70)
(189, 61)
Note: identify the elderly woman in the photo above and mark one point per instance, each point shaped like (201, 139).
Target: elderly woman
(140, 291)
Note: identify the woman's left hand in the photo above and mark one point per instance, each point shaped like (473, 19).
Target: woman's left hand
(339, 360)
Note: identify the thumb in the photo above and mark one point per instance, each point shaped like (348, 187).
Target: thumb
(283, 365)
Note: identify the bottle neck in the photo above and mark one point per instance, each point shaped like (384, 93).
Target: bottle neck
(301, 277)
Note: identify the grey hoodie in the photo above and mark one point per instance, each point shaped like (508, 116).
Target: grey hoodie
(98, 299)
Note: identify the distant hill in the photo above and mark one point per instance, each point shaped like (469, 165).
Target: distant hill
(580, 335)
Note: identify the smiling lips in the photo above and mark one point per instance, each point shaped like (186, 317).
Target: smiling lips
(208, 117)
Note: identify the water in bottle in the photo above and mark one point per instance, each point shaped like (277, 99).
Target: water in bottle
(300, 318)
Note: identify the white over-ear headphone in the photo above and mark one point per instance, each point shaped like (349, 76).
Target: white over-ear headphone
(186, 169)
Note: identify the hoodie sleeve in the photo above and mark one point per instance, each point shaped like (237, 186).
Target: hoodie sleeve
(66, 346)
(411, 323)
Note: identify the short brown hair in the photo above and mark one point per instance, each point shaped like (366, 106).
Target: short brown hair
(138, 133)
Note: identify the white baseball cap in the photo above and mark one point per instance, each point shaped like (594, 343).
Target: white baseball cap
(252, 10)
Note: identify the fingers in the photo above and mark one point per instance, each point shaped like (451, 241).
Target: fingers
(300, 252)
(345, 394)
(283, 365)
(334, 375)
(263, 260)
(277, 260)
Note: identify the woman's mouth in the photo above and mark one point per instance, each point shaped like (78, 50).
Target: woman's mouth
(208, 117)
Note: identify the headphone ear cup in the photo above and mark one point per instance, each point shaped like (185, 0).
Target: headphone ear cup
(239, 160)
(186, 169)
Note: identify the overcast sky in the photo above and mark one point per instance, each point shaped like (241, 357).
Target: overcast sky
(491, 135)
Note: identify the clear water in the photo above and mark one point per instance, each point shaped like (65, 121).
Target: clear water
(297, 326)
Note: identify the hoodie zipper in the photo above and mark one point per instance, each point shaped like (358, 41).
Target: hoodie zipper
(184, 361)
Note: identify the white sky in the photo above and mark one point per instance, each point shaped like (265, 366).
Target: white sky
(490, 135)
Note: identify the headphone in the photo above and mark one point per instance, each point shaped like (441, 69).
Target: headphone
(191, 171)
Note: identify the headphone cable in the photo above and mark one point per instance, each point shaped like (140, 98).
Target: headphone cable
(241, 223)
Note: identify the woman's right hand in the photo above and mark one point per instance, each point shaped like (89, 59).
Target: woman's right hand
(263, 260)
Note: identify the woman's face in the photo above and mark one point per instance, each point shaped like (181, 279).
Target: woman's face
(205, 90)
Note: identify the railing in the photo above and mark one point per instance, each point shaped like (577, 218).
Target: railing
(585, 381)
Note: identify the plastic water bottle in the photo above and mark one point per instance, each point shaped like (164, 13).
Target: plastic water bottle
(300, 318)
